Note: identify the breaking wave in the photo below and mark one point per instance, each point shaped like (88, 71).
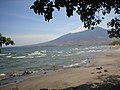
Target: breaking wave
(19, 57)
(84, 62)
(38, 54)
(3, 54)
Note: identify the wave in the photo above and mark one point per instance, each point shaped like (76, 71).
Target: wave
(82, 51)
(8, 56)
(68, 55)
(43, 55)
(19, 57)
(56, 55)
(72, 65)
(3, 54)
(35, 53)
(84, 62)
(74, 53)
(94, 50)
(91, 51)
(60, 52)
(93, 47)
(86, 48)
(75, 49)
(2, 74)
(29, 57)
(38, 53)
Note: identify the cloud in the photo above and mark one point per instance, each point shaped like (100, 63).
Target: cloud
(72, 24)
(31, 38)
(26, 17)
(25, 14)
(79, 29)
(34, 36)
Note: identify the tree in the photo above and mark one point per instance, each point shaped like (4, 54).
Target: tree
(115, 43)
(91, 12)
(5, 41)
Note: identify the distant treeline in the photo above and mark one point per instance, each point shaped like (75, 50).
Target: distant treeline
(115, 43)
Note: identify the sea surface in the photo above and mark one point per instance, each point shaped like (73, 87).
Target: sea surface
(20, 61)
(30, 58)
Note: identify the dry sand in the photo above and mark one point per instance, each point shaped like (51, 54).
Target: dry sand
(105, 64)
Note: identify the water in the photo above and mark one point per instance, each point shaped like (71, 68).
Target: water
(30, 58)
(16, 61)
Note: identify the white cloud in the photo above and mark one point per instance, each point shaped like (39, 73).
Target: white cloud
(25, 17)
(34, 36)
(72, 24)
(79, 29)
(31, 38)
(21, 16)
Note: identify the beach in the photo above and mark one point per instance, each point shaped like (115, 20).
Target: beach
(103, 70)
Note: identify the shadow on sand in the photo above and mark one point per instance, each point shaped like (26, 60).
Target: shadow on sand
(111, 82)
(108, 83)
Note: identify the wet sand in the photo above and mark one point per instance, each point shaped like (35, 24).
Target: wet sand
(104, 65)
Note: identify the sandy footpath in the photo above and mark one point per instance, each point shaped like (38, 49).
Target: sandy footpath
(105, 64)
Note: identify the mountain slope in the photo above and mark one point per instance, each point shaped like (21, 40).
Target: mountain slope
(98, 36)
(97, 33)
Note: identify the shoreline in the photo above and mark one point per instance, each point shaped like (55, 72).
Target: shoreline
(104, 64)
(18, 76)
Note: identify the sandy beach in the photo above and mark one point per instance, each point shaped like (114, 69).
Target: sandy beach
(104, 70)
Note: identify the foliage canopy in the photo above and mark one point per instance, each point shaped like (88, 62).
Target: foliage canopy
(5, 41)
(115, 43)
(91, 12)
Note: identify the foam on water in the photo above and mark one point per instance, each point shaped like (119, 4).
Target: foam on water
(30, 57)
(75, 49)
(38, 54)
(2, 74)
(85, 62)
(60, 52)
(91, 51)
(34, 53)
(93, 47)
(22, 58)
(82, 51)
(8, 56)
(72, 65)
(86, 48)
(3, 54)
(43, 55)
(19, 57)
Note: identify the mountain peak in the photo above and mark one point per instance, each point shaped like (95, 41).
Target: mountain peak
(97, 36)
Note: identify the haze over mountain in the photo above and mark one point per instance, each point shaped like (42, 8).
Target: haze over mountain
(97, 36)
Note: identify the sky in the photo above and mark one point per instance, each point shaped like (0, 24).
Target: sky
(20, 23)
